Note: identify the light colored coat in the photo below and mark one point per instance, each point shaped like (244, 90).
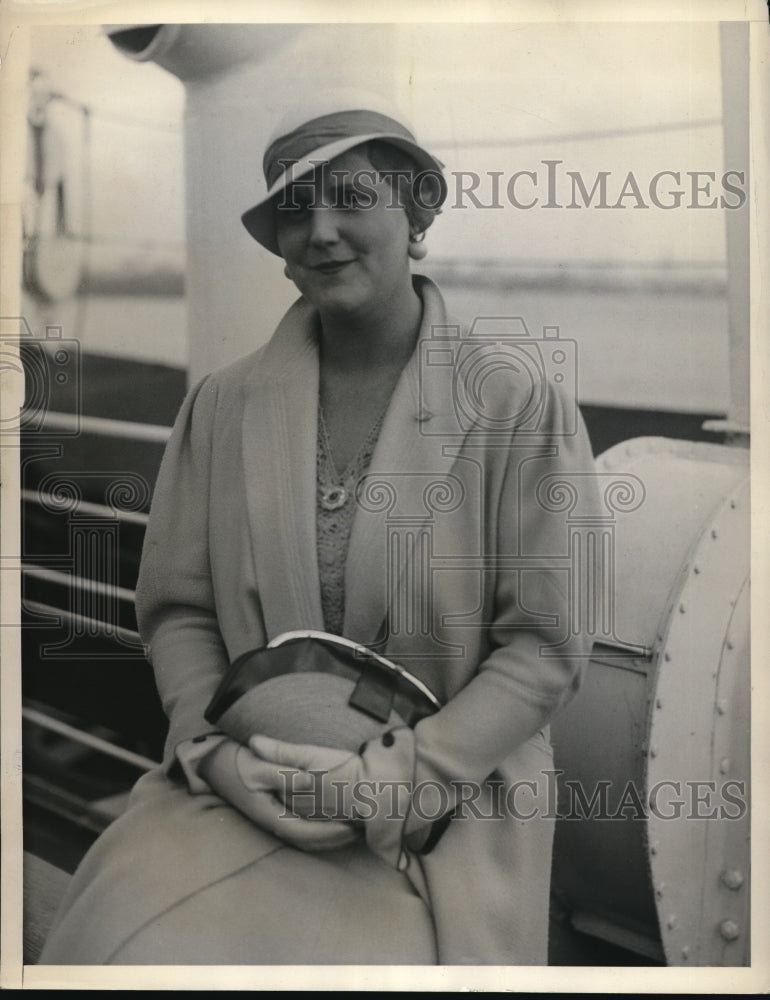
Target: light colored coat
(456, 536)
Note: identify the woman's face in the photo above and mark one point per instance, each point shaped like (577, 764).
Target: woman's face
(344, 237)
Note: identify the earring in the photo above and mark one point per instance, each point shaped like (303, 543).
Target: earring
(417, 249)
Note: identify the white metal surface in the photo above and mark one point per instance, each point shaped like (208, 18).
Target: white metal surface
(699, 733)
(671, 724)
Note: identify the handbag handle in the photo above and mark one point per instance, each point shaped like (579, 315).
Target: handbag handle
(362, 651)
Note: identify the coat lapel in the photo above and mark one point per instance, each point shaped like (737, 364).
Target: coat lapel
(410, 467)
(279, 458)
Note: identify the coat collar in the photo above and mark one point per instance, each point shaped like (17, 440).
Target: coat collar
(279, 455)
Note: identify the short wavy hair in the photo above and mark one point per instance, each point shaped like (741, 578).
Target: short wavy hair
(420, 193)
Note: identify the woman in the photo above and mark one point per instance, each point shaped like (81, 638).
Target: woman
(340, 479)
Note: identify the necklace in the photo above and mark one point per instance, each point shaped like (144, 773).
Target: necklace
(335, 489)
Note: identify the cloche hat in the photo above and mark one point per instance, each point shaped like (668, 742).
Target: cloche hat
(322, 128)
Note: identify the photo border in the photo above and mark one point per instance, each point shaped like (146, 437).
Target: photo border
(16, 20)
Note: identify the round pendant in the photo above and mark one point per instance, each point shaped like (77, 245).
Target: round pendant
(333, 497)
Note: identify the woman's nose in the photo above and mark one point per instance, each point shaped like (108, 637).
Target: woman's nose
(323, 225)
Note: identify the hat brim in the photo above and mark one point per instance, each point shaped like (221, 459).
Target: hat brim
(259, 220)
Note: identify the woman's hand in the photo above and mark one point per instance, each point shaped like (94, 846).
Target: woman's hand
(370, 791)
(314, 782)
(256, 788)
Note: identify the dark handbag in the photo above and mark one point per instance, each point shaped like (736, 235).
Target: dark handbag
(319, 688)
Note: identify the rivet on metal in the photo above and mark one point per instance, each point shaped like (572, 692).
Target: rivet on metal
(724, 765)
(732, 504)
(682, 609)
(696, 569)
(722, 706)
(729, 930)
(653, 751)
(714, 533)
(654, 847)
(671, 922)
(686, 951)
(732, 878)
(659, 890)
(667, 657)
(729, 644)
(659, 703)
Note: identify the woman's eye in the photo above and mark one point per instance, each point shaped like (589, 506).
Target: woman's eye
(292, 213)
(359, 200)
(351, 200)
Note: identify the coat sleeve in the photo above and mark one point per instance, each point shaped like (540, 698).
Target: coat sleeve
(525, 679)
(175, 604)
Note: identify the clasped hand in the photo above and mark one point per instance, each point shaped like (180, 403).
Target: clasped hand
(301, 793)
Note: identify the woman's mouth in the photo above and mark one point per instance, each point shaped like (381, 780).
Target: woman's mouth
(331, 266)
